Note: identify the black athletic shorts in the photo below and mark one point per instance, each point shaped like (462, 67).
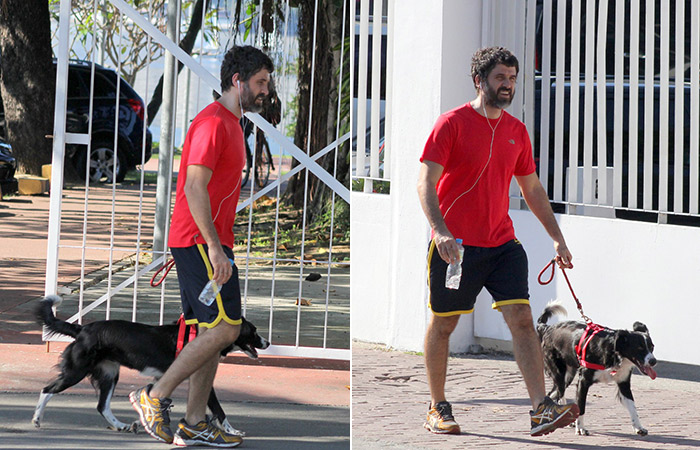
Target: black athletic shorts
(193, 272)
(501, 270)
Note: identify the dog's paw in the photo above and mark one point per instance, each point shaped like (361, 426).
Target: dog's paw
(36, 423)
(227, 427)
(582, 432)
(134, 428)
(641, 431)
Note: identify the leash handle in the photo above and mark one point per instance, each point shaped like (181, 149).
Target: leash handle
(551, 277)
(167, 266)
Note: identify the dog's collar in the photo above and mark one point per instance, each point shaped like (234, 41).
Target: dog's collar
(591, 330)
(182, 330)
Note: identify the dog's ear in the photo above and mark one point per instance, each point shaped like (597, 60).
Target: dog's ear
(621, 338)
(639, 326)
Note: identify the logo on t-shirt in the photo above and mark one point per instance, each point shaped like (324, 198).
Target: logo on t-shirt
(511, 141)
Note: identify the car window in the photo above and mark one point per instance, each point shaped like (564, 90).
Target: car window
(76, 84)
(103, 86)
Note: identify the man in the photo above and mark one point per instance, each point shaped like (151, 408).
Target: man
(467, 166)
(201, 239)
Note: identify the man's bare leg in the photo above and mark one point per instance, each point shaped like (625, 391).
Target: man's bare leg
(527, 350)
(205, 348)
(201, 383)
(437, 343)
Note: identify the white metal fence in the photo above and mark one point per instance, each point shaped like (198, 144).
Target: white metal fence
(370, 70)
(117, 220)
(616, 87)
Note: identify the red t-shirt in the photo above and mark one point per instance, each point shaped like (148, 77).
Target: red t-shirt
(460, 142)
(214, 140)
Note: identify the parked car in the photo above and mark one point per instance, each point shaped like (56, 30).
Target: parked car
(8, 182)
(129, 132)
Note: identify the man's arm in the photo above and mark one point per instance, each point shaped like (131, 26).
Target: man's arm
(198, 200)
(430, 173)
(538, 202)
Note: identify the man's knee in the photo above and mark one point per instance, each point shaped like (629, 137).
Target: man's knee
(518, 318)
(441, 327)
(224, 333)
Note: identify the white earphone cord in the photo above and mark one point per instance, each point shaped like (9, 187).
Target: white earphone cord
(238, 183)
(493, 137)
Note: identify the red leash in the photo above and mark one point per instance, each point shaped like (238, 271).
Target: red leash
(591, 328)
(551, 277)
(167, 266)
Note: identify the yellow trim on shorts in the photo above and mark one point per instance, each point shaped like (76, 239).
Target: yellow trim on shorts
(430, 256)
(222, 314)
(450, 313)
(517, 301)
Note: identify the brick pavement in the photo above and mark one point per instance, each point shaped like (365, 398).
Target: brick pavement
(390, 398)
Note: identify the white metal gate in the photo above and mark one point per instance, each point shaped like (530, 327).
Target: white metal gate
(119, 247)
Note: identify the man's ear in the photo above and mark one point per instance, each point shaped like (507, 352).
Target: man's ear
(235, 80)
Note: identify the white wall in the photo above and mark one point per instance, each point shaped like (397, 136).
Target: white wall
(370, 270)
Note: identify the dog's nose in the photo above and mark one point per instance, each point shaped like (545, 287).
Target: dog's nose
(652, 362)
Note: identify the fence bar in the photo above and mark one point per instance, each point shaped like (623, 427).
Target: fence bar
(694, 107)
(601, 76)
(528, 67)
(574, 101)
(648, 104)
(376, 88)
(679, 82)
(618, 101)
(361, 115)
(389, 89)
(57, 160)
(545, 92)
(664, 109)
(633, 165)
(559, 101)
(588, 187)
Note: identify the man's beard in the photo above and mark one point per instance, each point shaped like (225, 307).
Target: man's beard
(491, 97)
(248, 100)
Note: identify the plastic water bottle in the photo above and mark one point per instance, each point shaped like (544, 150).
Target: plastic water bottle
(454, 270)
(210, 291)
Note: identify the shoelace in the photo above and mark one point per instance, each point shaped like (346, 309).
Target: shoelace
(445, 410)
(165, 408)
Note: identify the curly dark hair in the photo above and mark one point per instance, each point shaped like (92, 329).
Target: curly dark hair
(485, 59)
(244, 60)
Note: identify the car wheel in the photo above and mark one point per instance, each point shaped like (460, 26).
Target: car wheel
(102, 163)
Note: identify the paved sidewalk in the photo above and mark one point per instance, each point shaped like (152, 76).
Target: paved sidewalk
(71, 422)
(390, 399)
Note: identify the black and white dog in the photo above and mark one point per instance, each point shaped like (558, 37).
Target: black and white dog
(101, 347)
(614, 353)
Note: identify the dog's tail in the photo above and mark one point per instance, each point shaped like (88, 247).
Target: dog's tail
(552, 308)
(44, 316)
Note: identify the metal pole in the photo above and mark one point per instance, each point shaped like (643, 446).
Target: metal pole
(165, 152)
(59, 139)
(185, 118)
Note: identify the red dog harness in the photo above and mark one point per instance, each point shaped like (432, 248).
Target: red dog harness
(591, 330)
(182, 331)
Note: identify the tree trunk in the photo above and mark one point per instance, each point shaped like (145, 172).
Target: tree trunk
(323, 84)
(187, 44)
(27, 81)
